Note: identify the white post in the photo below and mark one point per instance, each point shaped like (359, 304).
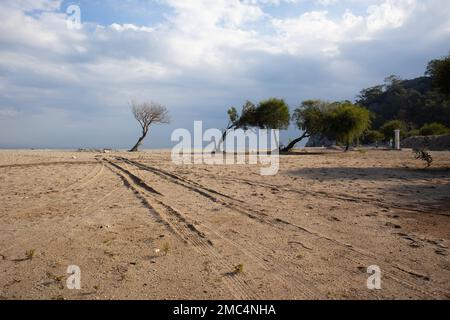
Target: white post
(397, 139)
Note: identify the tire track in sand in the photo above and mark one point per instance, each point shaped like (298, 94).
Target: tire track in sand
(187, 232)
(258, 254)
(353, 254)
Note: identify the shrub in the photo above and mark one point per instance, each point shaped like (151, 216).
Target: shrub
(238, 269)
(389, 127)
(29, 254)
(423, 155)
(373, 136)
(434, 129)
(413, 133)
(166, 248)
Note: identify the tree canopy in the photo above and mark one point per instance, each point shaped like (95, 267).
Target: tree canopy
(272, 114)
(347, 122)
(433, 129)
(439, 71)
(415, 102)
(269, 114)
(389, 127)
(341, 121)
(310, 116)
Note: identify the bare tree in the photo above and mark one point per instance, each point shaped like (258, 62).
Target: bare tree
(146, 114)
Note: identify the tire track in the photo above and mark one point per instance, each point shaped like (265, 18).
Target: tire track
(200, 189)
(86, 180)
(252, 251)
(255, 252)
(166, 174)
(37, 164)
(82, 182)
(262, 217)
(186, 231)
(344, 197)
(48, 224)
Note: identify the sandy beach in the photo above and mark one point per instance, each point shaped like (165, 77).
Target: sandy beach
(141, 227)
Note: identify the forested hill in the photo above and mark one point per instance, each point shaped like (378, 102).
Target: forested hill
(414, 101)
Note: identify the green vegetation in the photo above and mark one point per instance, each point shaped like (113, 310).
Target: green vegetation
(423, 155)
(165, 248)
(347, 122)
(272, 114)
(373, 136)
(439, 71)
(340, 121)
(29, 254)
(310, 118)
(412, 104)
(433, 129)
(419, 106)
(388, 129)
(238, 269)
(269, 114)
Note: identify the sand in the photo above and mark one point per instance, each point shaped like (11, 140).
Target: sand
(141, 227)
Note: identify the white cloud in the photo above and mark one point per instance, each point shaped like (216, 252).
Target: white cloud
(209, 54)
(390, 14)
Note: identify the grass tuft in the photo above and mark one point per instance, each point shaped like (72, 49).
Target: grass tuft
(29, 254)
(166, 248)
(238, 269)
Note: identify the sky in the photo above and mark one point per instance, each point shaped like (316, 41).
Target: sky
(65, 87)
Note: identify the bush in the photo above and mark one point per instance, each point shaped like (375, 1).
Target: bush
(434, 129)
(373, 136)
(389, 127)
(423, 155)
(413, 133)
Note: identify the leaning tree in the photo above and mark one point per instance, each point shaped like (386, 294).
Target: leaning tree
(148, 113)
(243, 121)
(310, 117)
(340, 121)
(272, 113)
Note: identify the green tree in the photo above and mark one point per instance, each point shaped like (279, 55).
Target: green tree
(439, 71)
(413, 133)
(272, 114)
(347, 122)
(416, 101)
(309, 117)
(434, 129)
(373, 136)
(245, 120)
(269, 114)
(388, 129)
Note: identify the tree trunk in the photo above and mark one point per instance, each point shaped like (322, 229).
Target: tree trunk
(139, 142)
(347, 147)
(294, 142)
(222, 139)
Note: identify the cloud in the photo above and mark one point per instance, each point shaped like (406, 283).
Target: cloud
(202, 57)
(8, 112)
